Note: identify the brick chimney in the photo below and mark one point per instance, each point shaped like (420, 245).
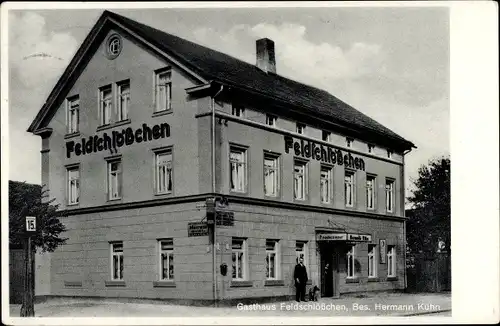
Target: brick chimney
(265, 55)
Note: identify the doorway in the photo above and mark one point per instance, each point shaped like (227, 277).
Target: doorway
(329, 269)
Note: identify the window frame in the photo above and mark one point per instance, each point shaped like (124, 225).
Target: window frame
(114, 253)
(373, 255)
(304, 164)
(167, 83)
(276, 158)
(238, 110)
(70, 128)
(389, 200)
(109, 163)
(68, 184)
(244, 250)
(371, 148)
(277, 260)
(119, 95)
(169, 252)
(101, 100)
(373, 178)
(329, 170)
(328, 136)
(243, 151)
(391, 257)
(271, 118)
(351, 254)
(158, 152)
(300, 128)
(349, 142)
(352, 174)
(389, 154)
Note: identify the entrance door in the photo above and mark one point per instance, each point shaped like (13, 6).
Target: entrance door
(329, 270)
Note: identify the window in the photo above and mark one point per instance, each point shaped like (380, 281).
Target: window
(371, 148)
(391, 261)
(372, 260)
(238, 257)
(350, 262)
(114, 179)
(370, 191)
(389, 154)
(325, 184)
(105, 104)
(166, 259)
(389, 195)
(301, 128)
(300, 179)
(163, 90)
(301, 251)
(163, 169)
(237, 162)
(73, 114)
(272, 259)
(123, 100)
(349, 142)
(271, 176)
(73, 185)
(271, 120)
(117, 261)
(238, 111)
(326, 136)
(349, 188)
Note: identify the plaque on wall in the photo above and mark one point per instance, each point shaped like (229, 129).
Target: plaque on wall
(382, 251)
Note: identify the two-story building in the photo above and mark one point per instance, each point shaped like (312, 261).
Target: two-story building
(146, 134)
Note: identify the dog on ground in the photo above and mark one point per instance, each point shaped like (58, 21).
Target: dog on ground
(314, 293)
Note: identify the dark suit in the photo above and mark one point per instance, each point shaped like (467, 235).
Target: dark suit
(300, 273)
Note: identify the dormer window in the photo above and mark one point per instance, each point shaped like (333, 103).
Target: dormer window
(326, 135)
(238, 111)
(371, 148)
(389, 153)
(301, 128)
(271, 120)
(349, 142)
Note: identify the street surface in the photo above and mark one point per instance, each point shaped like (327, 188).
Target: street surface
(384, 304)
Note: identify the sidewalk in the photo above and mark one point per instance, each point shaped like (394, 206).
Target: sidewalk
(382, 304)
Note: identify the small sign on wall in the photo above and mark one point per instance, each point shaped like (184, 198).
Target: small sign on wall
(383, 249)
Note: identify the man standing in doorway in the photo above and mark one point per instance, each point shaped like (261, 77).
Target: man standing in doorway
(300, 276)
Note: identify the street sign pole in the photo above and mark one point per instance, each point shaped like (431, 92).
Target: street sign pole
(28, 307)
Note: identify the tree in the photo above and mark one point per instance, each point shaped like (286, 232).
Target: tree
(28, 200)
(429, 220)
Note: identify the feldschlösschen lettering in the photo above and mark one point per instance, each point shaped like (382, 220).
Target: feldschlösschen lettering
(320, 152)
(116, 139)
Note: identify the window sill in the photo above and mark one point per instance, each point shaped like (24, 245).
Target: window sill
(113, 125)
(72, 135)
(274, 283)
(163, 194)
(241, 284)
(74, 205)
(114, 200)
(373, 279)
(160, 113)
(114, 283)
(73, 284)
(352, 280)
(163, 284)
(392, 278)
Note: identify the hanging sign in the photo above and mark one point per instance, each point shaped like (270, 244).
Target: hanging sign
(197, 229)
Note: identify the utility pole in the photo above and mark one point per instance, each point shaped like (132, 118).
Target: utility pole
(28, 306)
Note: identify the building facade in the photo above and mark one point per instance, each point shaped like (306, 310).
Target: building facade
(187, 174)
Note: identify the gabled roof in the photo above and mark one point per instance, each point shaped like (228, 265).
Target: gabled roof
(219, 67)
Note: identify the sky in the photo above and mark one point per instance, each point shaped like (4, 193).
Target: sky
(392, 64)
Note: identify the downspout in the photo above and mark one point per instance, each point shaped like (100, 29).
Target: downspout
(214, 254)
(404, 222)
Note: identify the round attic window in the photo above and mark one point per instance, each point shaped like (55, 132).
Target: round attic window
(113, 46)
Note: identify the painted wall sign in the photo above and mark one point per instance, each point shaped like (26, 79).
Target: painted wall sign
(325, 153)
(331, 236)
(359, 237)
(197, 229)
(382, 251)
(128, 136)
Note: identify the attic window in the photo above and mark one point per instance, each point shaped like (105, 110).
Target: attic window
(113, 46)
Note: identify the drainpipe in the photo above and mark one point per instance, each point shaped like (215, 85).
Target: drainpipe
(214, 255)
